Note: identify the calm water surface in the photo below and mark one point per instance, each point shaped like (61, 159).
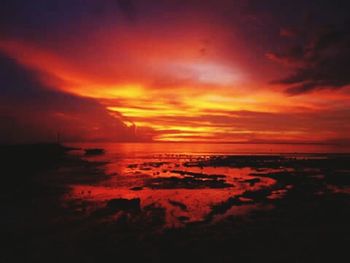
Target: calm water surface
(149, 149)
(161, 175)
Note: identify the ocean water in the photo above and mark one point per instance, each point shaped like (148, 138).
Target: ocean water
(169, 176)
(151, 149)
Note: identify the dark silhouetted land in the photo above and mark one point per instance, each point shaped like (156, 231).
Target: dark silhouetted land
(285, 209)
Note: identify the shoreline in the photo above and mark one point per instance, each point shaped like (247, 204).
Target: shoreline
(286, 208)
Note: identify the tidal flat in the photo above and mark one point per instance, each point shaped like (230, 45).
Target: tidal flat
(61, 205)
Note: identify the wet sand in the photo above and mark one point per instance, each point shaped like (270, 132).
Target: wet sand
(59, 205)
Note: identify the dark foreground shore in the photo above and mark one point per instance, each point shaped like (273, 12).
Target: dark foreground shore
(308, 222)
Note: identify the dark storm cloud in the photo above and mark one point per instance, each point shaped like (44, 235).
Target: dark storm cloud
(30, 112)
(318, 58)
(323, 62)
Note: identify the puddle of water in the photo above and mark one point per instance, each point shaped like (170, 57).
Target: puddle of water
(186, 193)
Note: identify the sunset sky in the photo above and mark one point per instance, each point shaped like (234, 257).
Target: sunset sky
(177, 70)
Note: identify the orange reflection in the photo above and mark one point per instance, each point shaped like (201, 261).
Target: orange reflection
(187, 193)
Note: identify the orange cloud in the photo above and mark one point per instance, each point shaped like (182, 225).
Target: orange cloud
(173, 84)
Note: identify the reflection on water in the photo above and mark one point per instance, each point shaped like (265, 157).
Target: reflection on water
(186, 181)
(203, 203)
(174, 180)
(132, 150)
